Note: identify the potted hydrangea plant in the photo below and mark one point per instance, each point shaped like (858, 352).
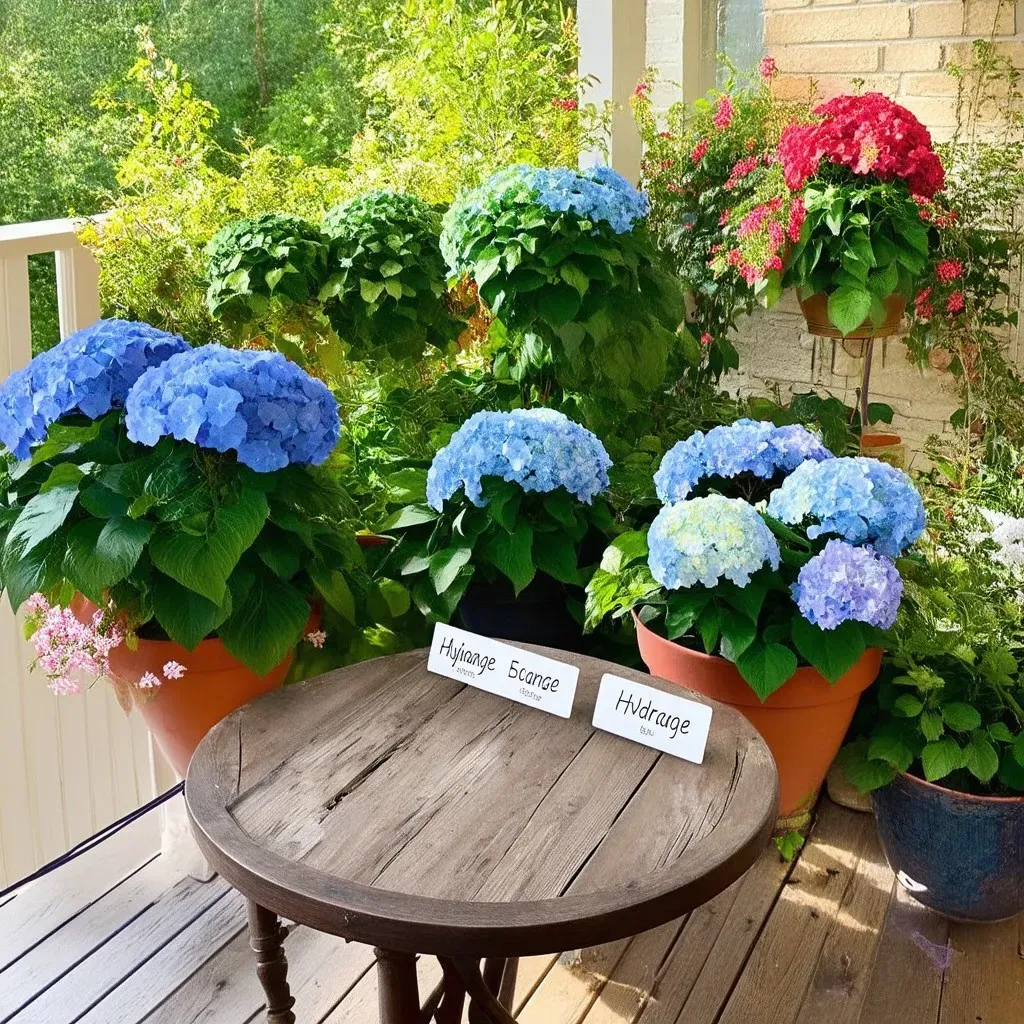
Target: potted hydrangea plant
(162, 517)
(512, 522)
(765, 582)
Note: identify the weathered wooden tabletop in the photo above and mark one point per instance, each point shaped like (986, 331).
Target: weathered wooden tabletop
(400, 808)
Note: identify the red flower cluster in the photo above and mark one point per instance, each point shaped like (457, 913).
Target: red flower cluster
(869, 134)
(724, 113)
(955, 303)
(923, 308)
(700, 151)
(948, 270)
(797, 216)
(566, 104)
(741, 169)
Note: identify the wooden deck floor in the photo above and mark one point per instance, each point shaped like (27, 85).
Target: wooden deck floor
(830, 939)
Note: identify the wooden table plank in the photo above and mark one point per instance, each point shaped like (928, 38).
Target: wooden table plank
(906, 981)
(985, 980)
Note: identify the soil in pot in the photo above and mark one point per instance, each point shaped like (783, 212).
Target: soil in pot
(539, 615)
(959, 854)
(815, 309)
(803, 722)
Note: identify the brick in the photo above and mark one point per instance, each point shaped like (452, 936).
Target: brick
(773, 5)
(826, 59)
(828, 88)
(959, 19)
(962, 53)
(912, 56)
(793, 87)
(890, 21)
(934, 111)
(935, 83)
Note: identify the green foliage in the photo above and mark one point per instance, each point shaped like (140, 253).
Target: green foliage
(513, 536)
(249, 263)
(386, 290)
(860, 244)
(459, 88)
(184, 541)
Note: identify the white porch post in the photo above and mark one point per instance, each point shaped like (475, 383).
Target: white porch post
(613, 43)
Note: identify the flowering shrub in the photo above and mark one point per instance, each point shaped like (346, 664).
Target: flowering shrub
(719, 205)
(746, 447)
(385, 290)
(161, 526)
(861, 170)
(258, 404)
(512, 495)
(89, 372)
(705, 540)
(714, 571)
(563, 261)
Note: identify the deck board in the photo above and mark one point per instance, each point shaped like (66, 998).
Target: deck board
(831, 938)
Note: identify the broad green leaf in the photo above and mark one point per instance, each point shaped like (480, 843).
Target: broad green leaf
(511, 555)
(766, 667)
(832, 652)
(186, 617)
(863, 772)
(848, 308)
(63, 473)
(738, 633)
(103, 552)
(395, 596)
(930, 724)
(389, 268)
(334, 589)
(204, 563)
(624, 550)
(558, 304)
(555, 554)
(25, 574)
(42, 516)
(446, 564)
(709, 625)
(61, 437)
(101, 502)
(411, 515)
(370, 291)
(560, 506)
(683, 609)
(747, 600)
(980, 757)
(891, 746)
(941, 757)
(1000, 732)
(961, 717)
(572, 275)
(907, 705)
(1011, 772)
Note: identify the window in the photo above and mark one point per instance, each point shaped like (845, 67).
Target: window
(732, 27)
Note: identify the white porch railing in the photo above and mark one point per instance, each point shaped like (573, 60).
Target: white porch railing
(70, 765)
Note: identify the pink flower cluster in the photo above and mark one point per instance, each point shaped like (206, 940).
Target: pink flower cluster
(700, 151)
(66, 646)
(740, 170)
(767, 68)
(724, 113)
(948, 270)
(316, 638)
(869, 134)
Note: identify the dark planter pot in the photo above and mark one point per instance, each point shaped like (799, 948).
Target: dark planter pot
(960, 855)
(539, 615)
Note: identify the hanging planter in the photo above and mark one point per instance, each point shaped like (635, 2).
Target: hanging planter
(815, 310)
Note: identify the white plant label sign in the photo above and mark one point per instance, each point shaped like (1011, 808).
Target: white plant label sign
(503, 669)
(671, 724)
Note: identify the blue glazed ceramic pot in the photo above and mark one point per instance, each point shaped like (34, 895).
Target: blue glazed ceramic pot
(960, 855)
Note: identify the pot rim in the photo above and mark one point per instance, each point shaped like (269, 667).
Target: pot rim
(880, 440)
(981, 798)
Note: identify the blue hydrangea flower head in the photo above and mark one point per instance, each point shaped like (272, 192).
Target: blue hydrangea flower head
(843, 583)
(746, 446)
(597, 194)
(863, 500)
(705, 540)
(539, 449)
(258, 404)
(89, 373)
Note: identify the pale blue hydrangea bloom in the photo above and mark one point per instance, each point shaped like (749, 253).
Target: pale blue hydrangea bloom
(862, 500)
(843, 583)
(597, 194)
(539, 449)
(747, 446)
(89, 372)
(267, 409)
(705, 540)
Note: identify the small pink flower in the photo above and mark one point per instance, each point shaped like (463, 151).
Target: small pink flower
(568, 104)
(149, 681)
(724, 113)
(174, 670)
(948, 270)
(642, 90)
(955, 303)
(700, 151)
(37, 603)
(706, 339)
(767, 68)
(317, 638)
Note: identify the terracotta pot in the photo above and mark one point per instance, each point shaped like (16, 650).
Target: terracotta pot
(180, 712)
(803, 722)
(816, 314)
(885, 447)
(960, 854)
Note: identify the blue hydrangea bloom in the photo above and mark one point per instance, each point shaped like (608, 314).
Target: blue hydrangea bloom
(747, 446)
(89, 372)
(862, 500)
(539, 449)
(598, 194)
(267, 409)
(708, 539)
(843, 583)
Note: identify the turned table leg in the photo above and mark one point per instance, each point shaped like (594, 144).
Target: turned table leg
(266, 936)
(397, 987)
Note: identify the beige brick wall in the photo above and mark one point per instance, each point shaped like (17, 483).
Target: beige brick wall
(901, 48)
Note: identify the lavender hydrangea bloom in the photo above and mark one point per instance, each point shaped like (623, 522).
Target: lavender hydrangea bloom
(267, 409)
(862, 500)
(843, 583)
(89, 372)
(707, 539)
(747, 446)
(539, 449)
(598, 194)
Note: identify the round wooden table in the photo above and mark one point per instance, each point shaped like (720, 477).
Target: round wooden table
(395, 807)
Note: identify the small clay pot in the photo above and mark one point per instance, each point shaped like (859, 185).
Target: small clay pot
(884, 447)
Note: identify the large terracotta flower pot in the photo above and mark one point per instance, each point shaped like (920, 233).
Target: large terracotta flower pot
(803, 722)
(180, 712)
(815, 310)
(961, 855)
